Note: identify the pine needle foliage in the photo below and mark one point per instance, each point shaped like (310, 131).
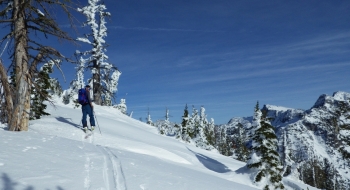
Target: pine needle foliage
(40, 93)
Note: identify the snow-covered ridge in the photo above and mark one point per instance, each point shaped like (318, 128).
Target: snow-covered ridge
(242, 120)
(276, 108)
(314, 139)
(326, 100)
(282, 116)
(341, 96)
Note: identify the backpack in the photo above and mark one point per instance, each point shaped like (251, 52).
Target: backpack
(82, 97)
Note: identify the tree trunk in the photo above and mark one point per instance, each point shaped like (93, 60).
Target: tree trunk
(97, 84)
(7, 90)
(20, 114)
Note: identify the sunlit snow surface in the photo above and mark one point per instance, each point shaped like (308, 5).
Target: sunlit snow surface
(129, 154)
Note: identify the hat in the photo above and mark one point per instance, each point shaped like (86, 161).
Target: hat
(87, 86)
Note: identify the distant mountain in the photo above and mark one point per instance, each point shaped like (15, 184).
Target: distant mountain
(314, 144)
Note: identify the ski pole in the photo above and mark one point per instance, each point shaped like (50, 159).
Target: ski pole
(97, 123)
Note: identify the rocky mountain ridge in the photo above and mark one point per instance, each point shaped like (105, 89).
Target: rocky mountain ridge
(314, 144)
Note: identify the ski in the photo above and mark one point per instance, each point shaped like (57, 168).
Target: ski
(88, 135)
(89, 132)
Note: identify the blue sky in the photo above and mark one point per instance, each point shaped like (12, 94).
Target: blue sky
(225, 55)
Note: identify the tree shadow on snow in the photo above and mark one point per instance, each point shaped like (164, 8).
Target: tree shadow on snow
(210, 163)
(9, 184)
(68, 121)
(243, 170)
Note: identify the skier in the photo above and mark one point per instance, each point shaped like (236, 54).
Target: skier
(87, 109)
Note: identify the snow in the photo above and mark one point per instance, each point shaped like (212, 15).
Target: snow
(341, 96)
(347, 149)
(321, 150)
(84, 40)
(277, 108)
(40, 13)
(127, 154)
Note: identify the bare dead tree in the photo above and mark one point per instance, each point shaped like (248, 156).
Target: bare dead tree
(26, 17)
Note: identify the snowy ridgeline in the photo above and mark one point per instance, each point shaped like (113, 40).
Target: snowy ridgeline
(314, 145)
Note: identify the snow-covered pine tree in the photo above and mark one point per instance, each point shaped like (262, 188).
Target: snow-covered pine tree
(241, 151)
(222, 144)
(170, 130)
(167, 114)
(110, 83)
(56, 88)
(149, 120)
(177, 131)
(184, 130)
(122, 106)
(193, 124)
(105, 76)
(264, 160)
(40, 91)
(71, 94)
(163, 128)
(203, 132)
(209, 132)
(199, 137)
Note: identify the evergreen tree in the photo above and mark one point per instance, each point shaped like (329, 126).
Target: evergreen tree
(56, 88)
(184, 130)
(40, 92)
(209, 132)
(105, 76)
(241, 151)
(264, 160)
(200, 137)
(193, 124)
(110, 82)
(170, 128)
(222, 145)
(163, 128)
(177, 131)
(166, 127)
(122, 106)
(72, 93)
(149, 120)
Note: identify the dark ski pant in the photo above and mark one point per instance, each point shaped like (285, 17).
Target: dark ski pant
(86, 109)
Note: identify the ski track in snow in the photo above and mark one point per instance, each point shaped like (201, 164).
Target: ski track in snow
(113, 173)
(87, 182)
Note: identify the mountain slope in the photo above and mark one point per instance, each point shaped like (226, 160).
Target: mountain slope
(54, 154)
(129, 154)
(314, 144)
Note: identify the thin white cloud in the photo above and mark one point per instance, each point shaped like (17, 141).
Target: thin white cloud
(312, 54)
(263, 72)
(160, 29)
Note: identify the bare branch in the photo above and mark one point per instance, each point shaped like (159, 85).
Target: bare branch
(9, 20)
